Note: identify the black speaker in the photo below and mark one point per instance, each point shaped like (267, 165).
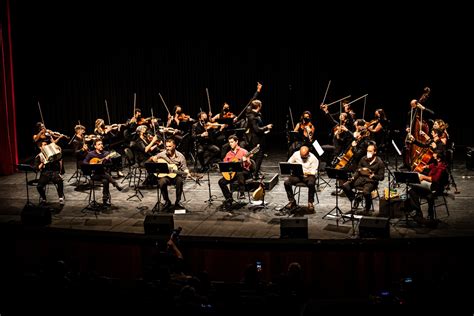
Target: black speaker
(374, 227)
(294, 227)
(161, 224)
(35, 215)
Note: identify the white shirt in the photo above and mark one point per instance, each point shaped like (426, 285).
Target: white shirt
(310, 166)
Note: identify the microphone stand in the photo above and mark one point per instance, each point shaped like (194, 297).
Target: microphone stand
(211, 197)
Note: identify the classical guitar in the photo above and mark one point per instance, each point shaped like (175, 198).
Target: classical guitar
(96, 160)
(230, 175)
(172, 170)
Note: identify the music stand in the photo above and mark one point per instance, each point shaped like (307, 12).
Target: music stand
(152, 168)
(229, 121)
(91, 170)
(26, 168)
(338, 174)
(407, 178)
(291, 169)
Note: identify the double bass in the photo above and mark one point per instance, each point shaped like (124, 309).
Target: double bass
(414, 154)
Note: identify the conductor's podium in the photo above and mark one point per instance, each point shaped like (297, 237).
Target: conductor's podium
(269, 182)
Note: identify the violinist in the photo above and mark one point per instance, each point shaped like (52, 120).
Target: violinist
(45, 135)
(202, 134)
(224, 114)
(347, 107)
(178, 119)
(341, 135)
(360, 141)
(146, 144)
(305, 129)
(378, 129)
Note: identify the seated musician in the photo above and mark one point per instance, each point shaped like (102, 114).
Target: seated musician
(341, 135)
(50, 172)
(438, 141)
(435, 181)
(98, 155)
(236, 154)
(146, 145)
(174, 157)
(223, 114)
(370, 171)
(202, 133)
(310, 168)
(305, 129)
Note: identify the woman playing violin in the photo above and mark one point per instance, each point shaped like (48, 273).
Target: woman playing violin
(305, 129)
(378, 129)
(225, 113)
(46, 135)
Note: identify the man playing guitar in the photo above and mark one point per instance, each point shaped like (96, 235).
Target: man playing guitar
(173, 158)
(236, 154)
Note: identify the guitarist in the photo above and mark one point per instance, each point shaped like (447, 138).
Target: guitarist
(236, 154)
(172, 156)
(101, 156)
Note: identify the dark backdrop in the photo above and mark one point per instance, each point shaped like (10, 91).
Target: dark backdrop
(73, 61)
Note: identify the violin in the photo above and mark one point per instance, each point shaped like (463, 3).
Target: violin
(209, 125)
(372, 123)
(228, 115)
(56, 134)
(92, 138)
(308, 130)
(185, 118)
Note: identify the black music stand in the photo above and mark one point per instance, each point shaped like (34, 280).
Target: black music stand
(291, 169)
(228, 167)
(91, 170)
(229, 121)
(338, 174)
(152, 168)
(407, 178)
(27, 168)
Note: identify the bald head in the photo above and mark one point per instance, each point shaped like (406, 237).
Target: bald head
(304, 152)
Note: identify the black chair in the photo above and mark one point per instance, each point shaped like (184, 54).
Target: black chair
(297, 191)
(439, 200)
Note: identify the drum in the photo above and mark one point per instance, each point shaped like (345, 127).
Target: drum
(51, 152)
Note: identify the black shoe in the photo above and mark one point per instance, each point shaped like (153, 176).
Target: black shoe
(119, 187)
(242, 195)
(228, 204)
(106, 203)
(179, 206)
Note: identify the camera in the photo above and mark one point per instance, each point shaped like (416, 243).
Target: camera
(258, 265)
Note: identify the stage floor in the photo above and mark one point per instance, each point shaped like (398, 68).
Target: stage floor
(210, 220)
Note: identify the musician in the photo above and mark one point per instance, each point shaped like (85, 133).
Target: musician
(50, 172)
(45, 135)
(310, 168)
(98, 154)
(431, 185)
(132, 125)
(305, 129)
(379, 128)
(172, 156)
(256, 132)
(224, 113)
(360, 142)
(341, 135)
(236, 154)
(438, 141)
(347, 107)
(203, 137)
(370, 171)
(146, 145)
(79, 144)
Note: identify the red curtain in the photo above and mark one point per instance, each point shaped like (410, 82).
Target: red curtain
(8, 139)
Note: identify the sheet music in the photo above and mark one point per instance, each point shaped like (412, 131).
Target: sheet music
(318, 148)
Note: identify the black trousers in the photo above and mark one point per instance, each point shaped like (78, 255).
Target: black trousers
(45, 178)
(239, 177)
(105, 179)
(164, 182)
(366, 188)
(418, 191)
(310, 182)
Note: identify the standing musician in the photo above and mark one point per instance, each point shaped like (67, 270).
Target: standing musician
(236, 154)
(305, 129)
(310, 168)
(98, 155)
(256, 132)
(50, 172)
(176, 159)
(79, 144)
(202, 132)
(370, 171)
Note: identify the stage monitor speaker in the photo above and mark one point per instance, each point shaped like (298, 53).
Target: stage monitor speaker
(374, 227)
(294, 227)
(35, 215)
(160, 224)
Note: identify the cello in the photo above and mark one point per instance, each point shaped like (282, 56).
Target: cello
(415, 154)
